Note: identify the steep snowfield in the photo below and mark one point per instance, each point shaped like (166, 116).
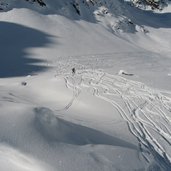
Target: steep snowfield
(113, 114)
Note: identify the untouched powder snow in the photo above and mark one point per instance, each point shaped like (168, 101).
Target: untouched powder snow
(113, 113)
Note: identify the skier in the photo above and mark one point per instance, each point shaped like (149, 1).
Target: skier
(73, 71)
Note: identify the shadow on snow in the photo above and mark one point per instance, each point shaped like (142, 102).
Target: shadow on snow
(14, 41)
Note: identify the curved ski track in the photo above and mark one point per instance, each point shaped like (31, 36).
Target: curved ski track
(146, 111)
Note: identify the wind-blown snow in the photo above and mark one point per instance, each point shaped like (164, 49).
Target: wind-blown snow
(113, 113)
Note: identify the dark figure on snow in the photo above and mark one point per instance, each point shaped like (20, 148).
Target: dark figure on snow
(73, 71)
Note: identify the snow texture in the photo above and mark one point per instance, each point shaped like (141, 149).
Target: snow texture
(113, 113)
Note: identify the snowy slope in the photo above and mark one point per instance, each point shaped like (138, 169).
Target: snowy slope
(113, 114)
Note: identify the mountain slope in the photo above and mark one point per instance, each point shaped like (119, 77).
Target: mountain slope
(112, 114)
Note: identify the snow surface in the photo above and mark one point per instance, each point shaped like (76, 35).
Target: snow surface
(112, 114)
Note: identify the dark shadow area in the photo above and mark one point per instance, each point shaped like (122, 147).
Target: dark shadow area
(54, 129)
(162, 162)
(14, 41)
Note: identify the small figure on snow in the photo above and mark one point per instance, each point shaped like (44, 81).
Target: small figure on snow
(73, 71)
(23, 83)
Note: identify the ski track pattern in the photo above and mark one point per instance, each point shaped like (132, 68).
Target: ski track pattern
(147, 112)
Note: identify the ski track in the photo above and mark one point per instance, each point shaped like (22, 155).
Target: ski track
(143, 108)
(71, 84)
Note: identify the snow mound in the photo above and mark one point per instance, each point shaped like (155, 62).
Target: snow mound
(56, 129)
(124, 73)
